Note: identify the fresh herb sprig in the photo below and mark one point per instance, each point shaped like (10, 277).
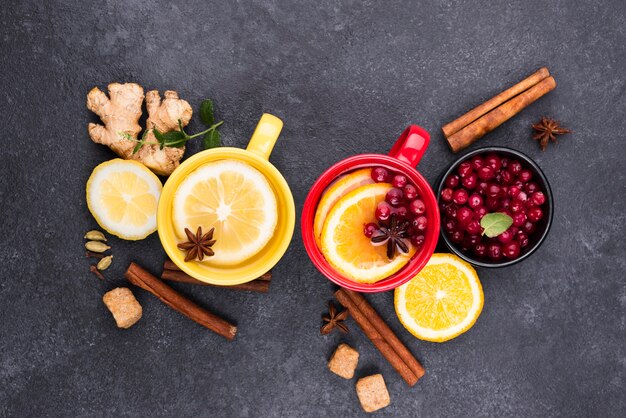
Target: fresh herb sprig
(177, 139)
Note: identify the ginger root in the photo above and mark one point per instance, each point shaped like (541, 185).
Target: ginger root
(120, 114)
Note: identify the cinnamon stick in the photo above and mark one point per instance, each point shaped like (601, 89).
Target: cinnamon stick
(142, 278)
(487, 122)
(260, 286)
(398, 360)
(460, 123)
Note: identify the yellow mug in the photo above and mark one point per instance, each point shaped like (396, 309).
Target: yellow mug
(256, 155)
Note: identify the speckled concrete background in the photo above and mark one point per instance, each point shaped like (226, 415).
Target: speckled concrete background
(346, 77)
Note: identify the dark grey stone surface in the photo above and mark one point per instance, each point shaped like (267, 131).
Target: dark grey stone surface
(346, 77)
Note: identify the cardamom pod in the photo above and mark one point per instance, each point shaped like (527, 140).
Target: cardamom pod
(105, 262)
(96, 246)
(95, 235)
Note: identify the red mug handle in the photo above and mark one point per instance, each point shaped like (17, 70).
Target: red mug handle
(411, 145)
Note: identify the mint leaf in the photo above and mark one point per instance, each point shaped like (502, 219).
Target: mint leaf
(494, 224)
(206, 112)
(212, 139)
(137, 147)
(174, 139)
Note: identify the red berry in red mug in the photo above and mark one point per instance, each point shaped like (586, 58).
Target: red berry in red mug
(446, 195)
(369, 229)
(473, 227)
(380, 175)
(453, 181)
(460, 196)
(399, 181)
(474, 200)
(534, 214)
(470, 181)
(511, 250)
(383, 211)
(420, 223)
(417, 240)
(410, 192)
(417, 207)
(464, 215)
(402, 212)
(486, 172)
(538, 198)
(394, 196)
(465, 169)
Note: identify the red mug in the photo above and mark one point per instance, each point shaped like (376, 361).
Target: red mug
(403, 157)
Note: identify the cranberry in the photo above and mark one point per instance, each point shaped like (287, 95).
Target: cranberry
(494, 251)
(482, 187)
(479, 212)
(369, 229)
(417, 240)
(522, 197)
(513, 191)
(525, 175)
(511, 250)
(464, 215)
(493, 190)
(473, 227)
(417, 207)
(538, 198)
(380, 175)
(516, 206)
(460, 197)
(506, 177)
(534, 214)
(446, 195)
(420, 223)
(465, 169)
(476, 162)
(402, 212)
(452, 181)
(486, 172)
(399, 181)
(383, 211)
(506, 203)
(504, 161)
(475, 201)
(492, 203)
(519, 219)
(394, 196)
(514, 167)
(529, 227)
(506, 236)
(450, 225)
(470, 241)
(450, 210)
(531, 187)
(494, 161)
(519, 184)
(457, 236)
(470, 181)
(410, 192)
(480, 250)
(522, 238)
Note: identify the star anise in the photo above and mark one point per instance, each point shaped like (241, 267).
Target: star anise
(548, 129)
(334, 320)
(394, 235)
(198, 245)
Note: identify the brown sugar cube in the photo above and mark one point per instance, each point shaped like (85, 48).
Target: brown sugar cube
(123, 305)
(372, 393)
(343, 361)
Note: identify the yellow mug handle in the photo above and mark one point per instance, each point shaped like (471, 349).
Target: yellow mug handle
(265, 135)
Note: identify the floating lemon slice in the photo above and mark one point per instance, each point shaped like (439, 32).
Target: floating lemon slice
(122, 195)
(442, 302)
(336, 191)
(345, 246)
(236, 200)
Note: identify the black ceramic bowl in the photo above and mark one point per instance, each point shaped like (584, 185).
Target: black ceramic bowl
(543, 226)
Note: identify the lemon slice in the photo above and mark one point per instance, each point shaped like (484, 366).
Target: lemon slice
(236, 200)
(122, 195)
(442, 302)
(345, 246)
(336, 191)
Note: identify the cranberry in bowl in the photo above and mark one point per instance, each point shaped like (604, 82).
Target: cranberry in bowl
(494, 180)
